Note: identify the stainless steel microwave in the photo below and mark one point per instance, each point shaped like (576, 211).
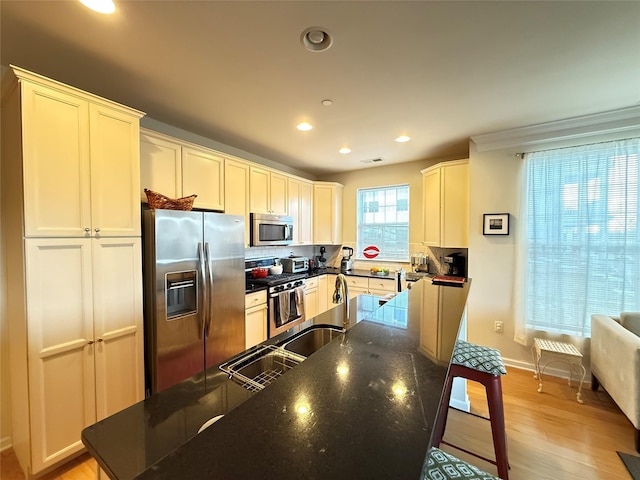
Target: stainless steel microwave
(269, 229)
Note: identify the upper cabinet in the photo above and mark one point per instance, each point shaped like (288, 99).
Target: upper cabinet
(327, 213)
(268, 191)
(177, 169)
(79, 161)
(203, 174)
(445, 190)
(236, 191)
(300, 207)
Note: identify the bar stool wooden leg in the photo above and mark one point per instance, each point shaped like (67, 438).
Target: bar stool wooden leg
(482, 365)
(496, 416)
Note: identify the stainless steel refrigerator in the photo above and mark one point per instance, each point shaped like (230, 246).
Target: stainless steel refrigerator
(194, 293)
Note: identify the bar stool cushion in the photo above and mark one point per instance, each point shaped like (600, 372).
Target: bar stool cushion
(441, 465)
(477, 357)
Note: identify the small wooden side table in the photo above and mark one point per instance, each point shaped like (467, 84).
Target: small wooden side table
(558, 352)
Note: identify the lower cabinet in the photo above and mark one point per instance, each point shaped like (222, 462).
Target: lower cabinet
(370, 286)
(255, 318)
(323, 298)
(331, 288)
(440, 314)
(77, 342)
(311, 303)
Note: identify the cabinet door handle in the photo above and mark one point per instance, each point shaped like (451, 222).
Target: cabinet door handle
(87, 229)
(90, 342)
(100, 340)
(97, 230)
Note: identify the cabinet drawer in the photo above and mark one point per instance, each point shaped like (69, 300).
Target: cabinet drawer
(311, 283)
(379, 284)
(256, 298)
(358, 282)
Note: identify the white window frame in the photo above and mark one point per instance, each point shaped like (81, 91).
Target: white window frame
(361, 244)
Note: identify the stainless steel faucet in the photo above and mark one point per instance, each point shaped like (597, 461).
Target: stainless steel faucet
(341, 295)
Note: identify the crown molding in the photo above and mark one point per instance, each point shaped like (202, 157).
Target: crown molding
(616, 123)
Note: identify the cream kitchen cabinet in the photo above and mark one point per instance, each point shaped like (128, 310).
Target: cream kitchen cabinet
(176, 168)
(311, 300)
(327, 213)
(445, 189)
(78, 157)
(331, 288)
(439, 324)
(255, 318)
(236, 192)
(74, 303)
(323, 294)
(268, 191)
(203, 175)
(300, 207)
(76, 346)
(370, 286)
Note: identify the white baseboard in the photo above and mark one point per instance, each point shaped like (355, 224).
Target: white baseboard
(5, 443)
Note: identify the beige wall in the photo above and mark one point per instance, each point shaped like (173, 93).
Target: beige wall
(495, 187)
(404, 173)
(5, 402)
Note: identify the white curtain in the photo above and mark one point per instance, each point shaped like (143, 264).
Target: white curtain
(579, 245)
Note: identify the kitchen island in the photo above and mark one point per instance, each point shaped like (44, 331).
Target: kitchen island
(363, 406)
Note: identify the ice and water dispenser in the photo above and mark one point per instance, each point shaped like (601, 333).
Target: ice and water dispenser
(181, 294)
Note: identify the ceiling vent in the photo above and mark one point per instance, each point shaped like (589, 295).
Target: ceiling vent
(372, 160)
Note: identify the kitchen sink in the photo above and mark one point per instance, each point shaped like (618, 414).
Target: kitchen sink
(259, 368)
(312, 339)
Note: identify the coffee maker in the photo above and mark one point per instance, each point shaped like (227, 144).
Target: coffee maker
(456, 265)
(321, 260)
(346, 264)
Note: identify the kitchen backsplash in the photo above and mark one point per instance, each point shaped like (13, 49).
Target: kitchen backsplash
(333, 255)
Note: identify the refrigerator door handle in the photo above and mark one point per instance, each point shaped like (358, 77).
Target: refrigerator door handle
(203, 293)
(207, 327)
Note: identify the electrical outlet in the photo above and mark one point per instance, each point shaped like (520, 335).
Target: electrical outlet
(498, 327)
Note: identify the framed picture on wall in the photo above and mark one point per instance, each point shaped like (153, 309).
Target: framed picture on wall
(495, 224)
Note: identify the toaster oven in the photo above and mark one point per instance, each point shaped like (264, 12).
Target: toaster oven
(295, 264)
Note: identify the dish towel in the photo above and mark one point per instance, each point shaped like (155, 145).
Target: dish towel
(300, 301)
(284, 306)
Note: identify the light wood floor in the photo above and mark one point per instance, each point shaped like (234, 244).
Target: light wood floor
(549, 435)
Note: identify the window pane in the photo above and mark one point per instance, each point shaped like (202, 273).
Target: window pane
(583, 241)
(383, 221)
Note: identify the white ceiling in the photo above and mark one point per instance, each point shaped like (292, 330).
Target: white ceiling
(236, 71)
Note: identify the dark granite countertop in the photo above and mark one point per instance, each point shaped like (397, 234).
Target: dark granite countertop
(372, 420)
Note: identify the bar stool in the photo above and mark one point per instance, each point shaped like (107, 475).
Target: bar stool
(483, 365)
(441, 465)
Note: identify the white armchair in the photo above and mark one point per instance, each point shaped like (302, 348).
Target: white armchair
(615, 362)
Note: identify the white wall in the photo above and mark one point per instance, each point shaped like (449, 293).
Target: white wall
(495, 187)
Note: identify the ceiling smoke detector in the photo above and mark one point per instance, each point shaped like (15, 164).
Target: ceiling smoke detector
(316, 39)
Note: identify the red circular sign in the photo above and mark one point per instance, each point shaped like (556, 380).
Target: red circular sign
(371, 251)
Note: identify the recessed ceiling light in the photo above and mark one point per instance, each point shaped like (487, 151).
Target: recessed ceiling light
(316, 39)
(304, 126)
(326, 102)
(402, 139)
(345, 150)
(100, 6)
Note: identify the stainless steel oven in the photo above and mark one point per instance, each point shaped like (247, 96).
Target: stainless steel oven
(271, 229)
(285, 292)
(286, 306)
